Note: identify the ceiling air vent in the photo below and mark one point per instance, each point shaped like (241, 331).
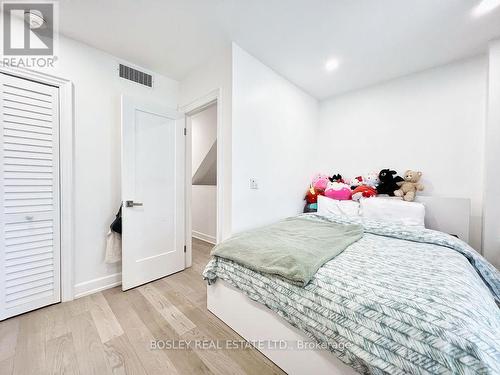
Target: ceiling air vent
(136, 75)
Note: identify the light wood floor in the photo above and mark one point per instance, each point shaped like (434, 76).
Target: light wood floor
(111, 332)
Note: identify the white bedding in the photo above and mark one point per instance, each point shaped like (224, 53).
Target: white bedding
(393, 211)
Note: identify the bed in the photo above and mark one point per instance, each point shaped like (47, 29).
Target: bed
(398, 300)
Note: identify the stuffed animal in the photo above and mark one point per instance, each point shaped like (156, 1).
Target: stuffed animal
(312, 195)
(388, 182)
(310, 207)
(336, 178)
(356, 181)
(337, 189)
(312, 199)
(320, 181)
(363, 191)
(371, 179)
(409, 187)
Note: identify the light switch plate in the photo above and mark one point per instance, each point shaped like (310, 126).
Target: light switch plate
(254, 184)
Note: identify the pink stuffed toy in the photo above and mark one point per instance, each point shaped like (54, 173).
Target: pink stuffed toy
(320, 181)
(337, 189)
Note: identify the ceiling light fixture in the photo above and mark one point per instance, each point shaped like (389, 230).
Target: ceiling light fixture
(34, 18)
(332, 65)
(484, 7)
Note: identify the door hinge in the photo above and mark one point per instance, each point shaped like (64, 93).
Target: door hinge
(185, 131)
(184, 248)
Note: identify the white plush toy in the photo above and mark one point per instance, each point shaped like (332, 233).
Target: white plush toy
(371, 179)
(356, 181)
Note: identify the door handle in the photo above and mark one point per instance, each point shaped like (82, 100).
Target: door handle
(132, 204)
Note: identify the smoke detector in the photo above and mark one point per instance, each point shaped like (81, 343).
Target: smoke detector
(34, 18)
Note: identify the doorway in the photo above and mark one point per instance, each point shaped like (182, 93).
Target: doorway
(202, 174)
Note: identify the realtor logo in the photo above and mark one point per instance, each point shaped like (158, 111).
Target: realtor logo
(29, 30)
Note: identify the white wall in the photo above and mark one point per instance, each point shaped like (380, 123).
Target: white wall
(97, 91)
(203, 197)
(203, 135)
(491, 235)
(274, 131)
(432, 121)
(204, 212)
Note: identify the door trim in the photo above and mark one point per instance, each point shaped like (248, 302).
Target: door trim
(213, 97)
(66, 162)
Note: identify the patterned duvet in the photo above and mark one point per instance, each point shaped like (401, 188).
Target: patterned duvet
(400, 300)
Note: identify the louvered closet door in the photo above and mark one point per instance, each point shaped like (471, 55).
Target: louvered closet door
(29, 190)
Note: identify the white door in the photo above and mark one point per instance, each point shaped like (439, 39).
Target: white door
(152, 192)
(29, 192)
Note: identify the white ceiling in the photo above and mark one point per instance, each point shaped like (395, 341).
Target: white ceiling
(375, 40)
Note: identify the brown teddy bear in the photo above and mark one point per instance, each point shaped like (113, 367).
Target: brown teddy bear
(409, 187)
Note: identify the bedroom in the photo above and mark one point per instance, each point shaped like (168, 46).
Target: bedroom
(300, 88)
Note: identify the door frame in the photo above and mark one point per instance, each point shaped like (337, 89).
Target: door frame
(66, 163)
(198, 105)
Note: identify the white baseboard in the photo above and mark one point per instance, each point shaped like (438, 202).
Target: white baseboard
(204, 237)
(97, 285)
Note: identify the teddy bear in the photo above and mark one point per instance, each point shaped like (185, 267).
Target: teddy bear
(388, 182)
(409, 186)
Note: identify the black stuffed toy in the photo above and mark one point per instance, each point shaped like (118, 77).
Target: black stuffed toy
(388, 182)
(336, 178)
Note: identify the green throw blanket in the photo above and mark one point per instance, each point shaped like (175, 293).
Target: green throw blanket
(293, 249)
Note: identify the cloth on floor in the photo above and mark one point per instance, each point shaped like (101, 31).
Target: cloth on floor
(113, 247)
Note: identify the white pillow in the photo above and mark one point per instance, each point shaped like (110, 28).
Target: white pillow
(393, 210)
(328, 206)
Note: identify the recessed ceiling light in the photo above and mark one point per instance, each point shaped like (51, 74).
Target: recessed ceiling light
(485, 6)
(332, 65)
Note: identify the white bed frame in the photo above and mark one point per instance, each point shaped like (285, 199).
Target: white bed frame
(257, 324)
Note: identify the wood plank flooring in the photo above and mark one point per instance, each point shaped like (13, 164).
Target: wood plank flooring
(111, 333)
